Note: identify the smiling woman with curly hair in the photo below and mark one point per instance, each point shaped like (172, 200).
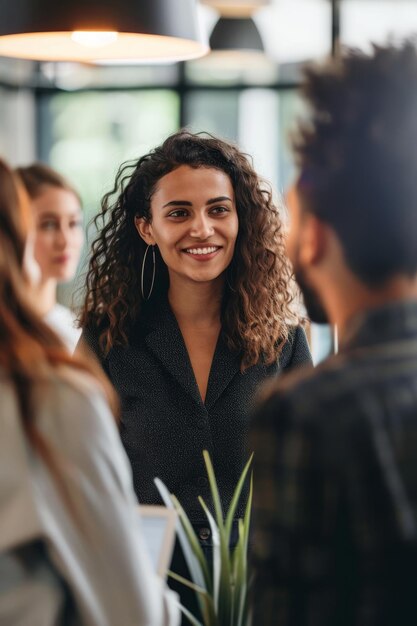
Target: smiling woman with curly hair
(189, 309)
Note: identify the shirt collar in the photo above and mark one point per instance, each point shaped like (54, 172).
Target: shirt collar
(394, 320)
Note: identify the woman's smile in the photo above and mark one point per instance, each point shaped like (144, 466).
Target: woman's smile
(202, 253)
(194, 222)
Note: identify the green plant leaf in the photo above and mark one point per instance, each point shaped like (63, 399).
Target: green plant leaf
(247, 516)
(216, 553)
(223, 592)
(236, 495)
(244, 528)
(241, 576)
(239, 566)
(189, 542)
(193, 620)
(214, 490)
(186, 582)
(224, 599)
(194, 543)
(206, 600)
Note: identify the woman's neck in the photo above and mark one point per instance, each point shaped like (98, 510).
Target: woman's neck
(196, 304)
(45, 296)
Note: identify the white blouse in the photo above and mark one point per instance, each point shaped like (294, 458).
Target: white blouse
(62, 321)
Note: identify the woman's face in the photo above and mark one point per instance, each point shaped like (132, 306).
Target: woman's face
(194, 223)
(58, 233)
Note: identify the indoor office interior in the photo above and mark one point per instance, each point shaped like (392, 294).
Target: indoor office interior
(85, 119)
(158, 379)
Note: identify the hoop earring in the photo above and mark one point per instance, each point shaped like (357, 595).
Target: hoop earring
(142, 274)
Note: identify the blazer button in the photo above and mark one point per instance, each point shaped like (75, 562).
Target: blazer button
(202, 481)
(201, 424)
(204, 533)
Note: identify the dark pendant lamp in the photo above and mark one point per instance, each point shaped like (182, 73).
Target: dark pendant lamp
(235, 38)
(100, 30)
(235, 33)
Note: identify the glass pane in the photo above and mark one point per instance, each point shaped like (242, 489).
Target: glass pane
(366, 21)
(93, 133)
(260, 140)
(259, 119)
(233, 69)
(269, 141)
(90, 134)
(17, 125)
(71, 76)
(215, 112)
(296, 30)
(291, 108)
(321, 342)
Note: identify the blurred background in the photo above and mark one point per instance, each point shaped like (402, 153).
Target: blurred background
(85, 120)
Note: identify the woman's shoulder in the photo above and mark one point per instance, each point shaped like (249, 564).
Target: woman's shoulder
(91, 338)
(79, 384)
(62, 392)
(92, 331)
(72, 401)
(75, 381)
(73, 414)
(69, 409)
(150, 316)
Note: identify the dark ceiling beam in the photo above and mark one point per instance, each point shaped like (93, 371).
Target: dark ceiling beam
(335, 27)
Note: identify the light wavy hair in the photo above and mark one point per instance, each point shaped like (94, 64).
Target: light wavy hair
(258, 296)
(31, 354)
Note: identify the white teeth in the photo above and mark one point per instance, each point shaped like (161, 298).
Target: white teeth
(209, 250)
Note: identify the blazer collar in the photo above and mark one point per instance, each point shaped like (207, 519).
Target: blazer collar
(225, 366)
(164, 338)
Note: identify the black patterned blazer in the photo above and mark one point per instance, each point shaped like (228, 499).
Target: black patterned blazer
(165, 426)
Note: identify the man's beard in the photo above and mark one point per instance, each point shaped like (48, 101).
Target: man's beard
(314, 307)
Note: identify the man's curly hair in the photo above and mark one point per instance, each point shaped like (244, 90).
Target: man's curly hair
(257, 302)
(357, 157)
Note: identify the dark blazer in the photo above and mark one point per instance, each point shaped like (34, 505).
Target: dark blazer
(165, 426)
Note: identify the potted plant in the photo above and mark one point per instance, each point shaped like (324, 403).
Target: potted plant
(222, 588)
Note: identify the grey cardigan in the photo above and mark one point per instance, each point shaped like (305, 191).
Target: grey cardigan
(87, 566)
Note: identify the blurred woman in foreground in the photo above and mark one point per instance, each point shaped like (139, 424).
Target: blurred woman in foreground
(71, 550)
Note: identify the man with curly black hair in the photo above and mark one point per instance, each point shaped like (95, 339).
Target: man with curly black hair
(336, 446)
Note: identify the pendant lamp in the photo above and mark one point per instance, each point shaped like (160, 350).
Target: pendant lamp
(236, 33)
(237, 54)
(99, 30)
(236, 8)
(235, 37)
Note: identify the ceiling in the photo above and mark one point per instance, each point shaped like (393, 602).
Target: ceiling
(293, 31)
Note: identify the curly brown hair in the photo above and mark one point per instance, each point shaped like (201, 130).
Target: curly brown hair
(258, 292)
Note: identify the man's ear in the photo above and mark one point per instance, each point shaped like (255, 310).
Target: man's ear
(144, 228)
(313, 240)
